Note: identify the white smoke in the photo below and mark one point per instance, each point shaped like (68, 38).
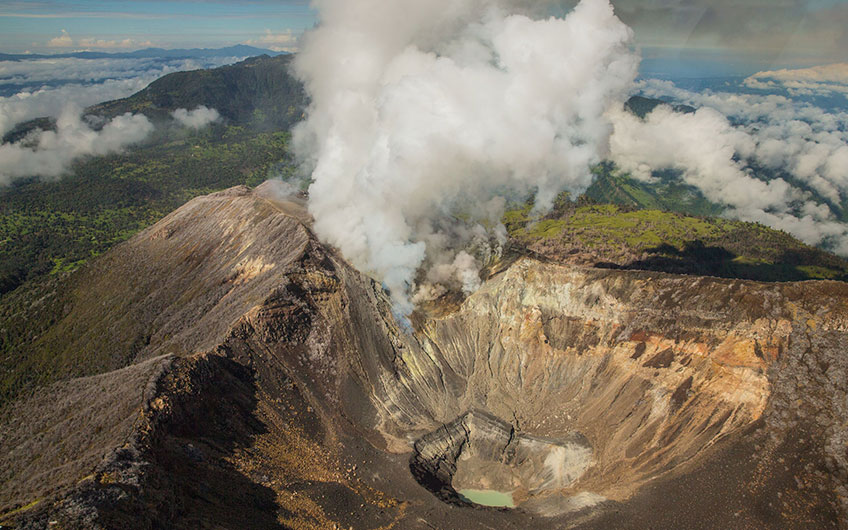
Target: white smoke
(423, 108)
(49, 153)
(197, 118)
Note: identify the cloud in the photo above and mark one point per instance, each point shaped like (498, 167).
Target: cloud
(91, 81)
(816, 80)
(36, 72)
(64, 40)
(48, 154)
(716, 156)
(197, 118)
(27, 105)
(278, 42)
(802, 139)
(103, 44)
(422, 108)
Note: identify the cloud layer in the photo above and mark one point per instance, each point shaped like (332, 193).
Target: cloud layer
(51, 84)
(724, 148)
(420, 108)
(62, 88)
(64, 40)
(817, 80)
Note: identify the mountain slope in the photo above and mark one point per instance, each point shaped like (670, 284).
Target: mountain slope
(592, 394)
(259, 93)
(56, 225)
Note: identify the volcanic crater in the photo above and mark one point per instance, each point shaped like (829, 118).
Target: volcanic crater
(278, 391)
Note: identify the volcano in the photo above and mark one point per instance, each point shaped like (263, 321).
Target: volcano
(225, 369)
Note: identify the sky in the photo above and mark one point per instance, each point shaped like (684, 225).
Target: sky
(676, 37)
(56, 26)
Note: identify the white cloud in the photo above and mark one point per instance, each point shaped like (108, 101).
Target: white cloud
(197, 118)
(803, 139)
(94, 81)
(64, 69)
(102, 44)
(48, 154)
(285, 41)
(817, 80)
(64, 40)
(713, 155)
(27, 105)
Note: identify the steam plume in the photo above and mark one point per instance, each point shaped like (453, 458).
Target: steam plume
(420, 108)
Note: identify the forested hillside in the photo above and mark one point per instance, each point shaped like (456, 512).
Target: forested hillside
(56, 225)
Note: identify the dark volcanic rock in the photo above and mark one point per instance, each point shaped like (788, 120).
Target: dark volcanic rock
(291, 397)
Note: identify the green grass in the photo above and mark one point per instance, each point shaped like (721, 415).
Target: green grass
(652, 239)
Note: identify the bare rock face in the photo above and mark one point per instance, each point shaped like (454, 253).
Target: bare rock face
(595, 398)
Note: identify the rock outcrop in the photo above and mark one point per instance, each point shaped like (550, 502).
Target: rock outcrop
(598, 398)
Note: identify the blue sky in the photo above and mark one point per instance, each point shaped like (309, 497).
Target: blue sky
(58, 25)
(719, 36)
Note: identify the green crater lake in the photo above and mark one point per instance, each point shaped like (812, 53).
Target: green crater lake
(488, 498)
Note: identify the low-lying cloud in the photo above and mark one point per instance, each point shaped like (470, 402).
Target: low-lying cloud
(421, 110)
(197, 118)
(814, 81)
(32, 72)
(48, 154)
(724, 147)
(50, 102)
(44, 87)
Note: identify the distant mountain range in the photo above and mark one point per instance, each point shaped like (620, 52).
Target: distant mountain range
(240, 50)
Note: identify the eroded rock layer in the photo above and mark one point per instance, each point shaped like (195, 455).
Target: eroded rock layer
(597, 398)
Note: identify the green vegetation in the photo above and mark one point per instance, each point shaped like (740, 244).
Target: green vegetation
(642, 106)
(623, 237)
(52, 227)
(48, 229)
(668, 193)
(258, 93)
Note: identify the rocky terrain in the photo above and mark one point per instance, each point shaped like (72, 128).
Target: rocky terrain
(224, 369)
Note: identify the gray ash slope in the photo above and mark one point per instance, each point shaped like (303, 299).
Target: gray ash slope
(256, 380)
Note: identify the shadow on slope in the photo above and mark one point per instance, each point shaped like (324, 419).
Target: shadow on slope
(179, 467)
(700, 259)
